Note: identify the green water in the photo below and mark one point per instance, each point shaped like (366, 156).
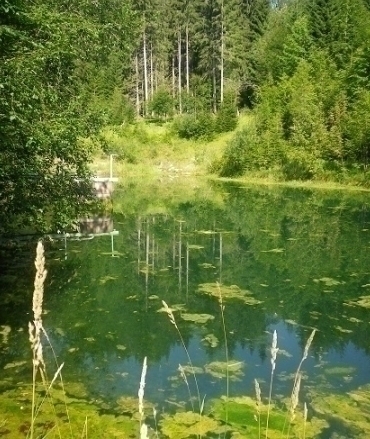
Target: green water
(298, 260)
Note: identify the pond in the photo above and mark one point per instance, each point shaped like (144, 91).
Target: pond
(234, 264)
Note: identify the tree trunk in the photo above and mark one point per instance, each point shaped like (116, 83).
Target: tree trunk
(222, 52)
(145, 74)
(187, 59)
(137, 85)
(179, 71)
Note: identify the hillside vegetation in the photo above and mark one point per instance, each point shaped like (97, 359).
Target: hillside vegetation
(156, 79)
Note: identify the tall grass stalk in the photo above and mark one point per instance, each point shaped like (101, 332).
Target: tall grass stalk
(257, 389)
(274, 350)
(84, 431)
(305, 413)
(298, 377)
(155, 422)
(222, 308)
(294, 402)
(173, 321)
(183, 376)
(140, 393)
(35, 329)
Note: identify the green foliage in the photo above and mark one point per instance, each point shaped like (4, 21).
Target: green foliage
(200, 126)
(120, 109)
(226, 118)
(161, 104)
(55, 71)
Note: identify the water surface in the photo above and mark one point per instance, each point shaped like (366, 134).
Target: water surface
(302, 255)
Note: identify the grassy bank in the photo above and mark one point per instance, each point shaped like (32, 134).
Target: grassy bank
(152, 151)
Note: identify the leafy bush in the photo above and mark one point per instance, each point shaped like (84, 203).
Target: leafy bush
(298, 165)
(162, 103)
(195, 126)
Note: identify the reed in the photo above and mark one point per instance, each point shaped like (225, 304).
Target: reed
(36, 331)
(258, 405)
(173, 321)
(297, 384)
(222, 309)
(183, 376)
(143, 427)
(274, 350)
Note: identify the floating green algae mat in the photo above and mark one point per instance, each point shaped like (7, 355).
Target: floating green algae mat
(222, 369)
(228, 292)
(60, 415)
(351, 410)
(197, 318)
(240, 414)
(189, 424)
(363, 301)
(211, 340)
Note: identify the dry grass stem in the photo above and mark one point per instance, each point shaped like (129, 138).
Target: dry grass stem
(257, 389)
(308, 344)
(169, 313)
(141, 390)
(274, 350)
(295, 398)
(144, 431)
(35, 329)
(183, 376)
(222, 308)
(173, 321)
(305, 413)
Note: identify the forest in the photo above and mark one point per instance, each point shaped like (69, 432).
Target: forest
(300, 68)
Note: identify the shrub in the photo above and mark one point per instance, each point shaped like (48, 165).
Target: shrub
(227, 119)
(195, 126)
(298, 165)
(233, 162)
(162, 104)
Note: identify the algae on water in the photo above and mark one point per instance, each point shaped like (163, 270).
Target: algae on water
(351, 410)
(222, 369)
(240, 414)
(363, 301)
(211, 340)
(228, 292)
(189, 424)
(197, 318)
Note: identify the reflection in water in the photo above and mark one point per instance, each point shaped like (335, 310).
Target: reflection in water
(302, 254)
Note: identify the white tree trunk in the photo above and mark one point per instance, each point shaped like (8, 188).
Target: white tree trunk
(179, 72)
(187, 59)
(145, 74)
(137, 85)
(222, 52)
